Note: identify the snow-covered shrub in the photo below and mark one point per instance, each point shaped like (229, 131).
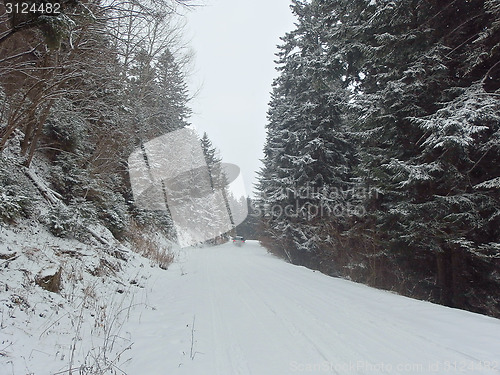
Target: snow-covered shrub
(65, 127)
(16, 196)
(86, 211)
(112, 210)
(60, 221)
(71, 221)
(12, 204)
(94, 196)
(85, 214)
(68, 177)
(160, 219)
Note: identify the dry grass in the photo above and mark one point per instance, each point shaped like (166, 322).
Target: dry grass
(144, 242)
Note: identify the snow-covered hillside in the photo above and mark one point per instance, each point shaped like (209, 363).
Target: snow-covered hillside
(226, 310)
(63, 302)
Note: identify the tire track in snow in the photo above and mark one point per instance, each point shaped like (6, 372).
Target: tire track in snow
(231, 351)
(257, 315)
(366, 325)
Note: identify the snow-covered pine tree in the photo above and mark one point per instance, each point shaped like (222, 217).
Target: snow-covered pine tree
(218, 180)
(429, 72)
(214, 163)
(171, 94)
(307, 154)
(421, 115)
(393, 73)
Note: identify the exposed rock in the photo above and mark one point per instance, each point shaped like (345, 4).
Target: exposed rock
(50, 279)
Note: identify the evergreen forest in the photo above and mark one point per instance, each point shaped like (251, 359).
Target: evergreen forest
(382, 157)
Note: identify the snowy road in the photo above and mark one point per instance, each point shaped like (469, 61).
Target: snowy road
(227, 310)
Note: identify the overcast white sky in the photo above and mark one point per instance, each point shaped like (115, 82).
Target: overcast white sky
(235, 44)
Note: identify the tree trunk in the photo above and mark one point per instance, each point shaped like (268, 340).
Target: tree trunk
(444, 277)
(457, 275)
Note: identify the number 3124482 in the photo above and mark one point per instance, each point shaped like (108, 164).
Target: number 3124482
(26, 8)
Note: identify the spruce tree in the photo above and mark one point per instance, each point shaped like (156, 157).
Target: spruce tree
(307, 156)
(413, 89)
(429, 113)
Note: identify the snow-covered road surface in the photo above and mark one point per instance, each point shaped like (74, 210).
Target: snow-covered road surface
(227, 310)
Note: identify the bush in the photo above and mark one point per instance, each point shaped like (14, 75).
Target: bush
(16, 196)
(112, 210)
(60, 221)
(66, 128)
(13, 204)
(97, 194)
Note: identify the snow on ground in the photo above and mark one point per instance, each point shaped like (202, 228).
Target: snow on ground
(227, 310)
(221, 310)
(43, 332)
